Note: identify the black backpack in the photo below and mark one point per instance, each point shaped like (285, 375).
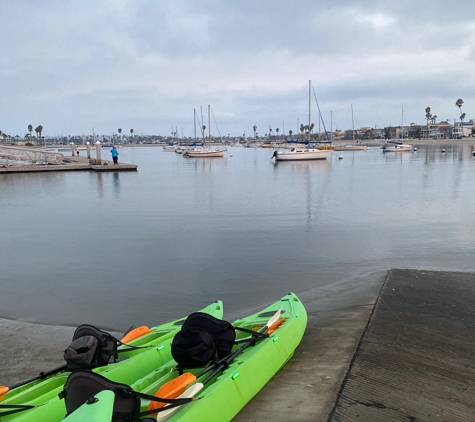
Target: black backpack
(202, 338)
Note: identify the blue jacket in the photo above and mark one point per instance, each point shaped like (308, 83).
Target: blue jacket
(114, 152)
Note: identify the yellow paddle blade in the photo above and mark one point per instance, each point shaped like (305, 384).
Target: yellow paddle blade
(3, 390)
(136, 333)
(172, 389)
(275, 325)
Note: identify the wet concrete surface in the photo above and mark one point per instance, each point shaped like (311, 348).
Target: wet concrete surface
(415, 361)
(306, 388)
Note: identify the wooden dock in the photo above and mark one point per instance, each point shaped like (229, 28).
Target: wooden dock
(70, 164)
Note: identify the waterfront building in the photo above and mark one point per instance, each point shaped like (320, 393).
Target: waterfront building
(463, 129)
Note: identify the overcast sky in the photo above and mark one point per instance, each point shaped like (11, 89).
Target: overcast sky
(72, 66)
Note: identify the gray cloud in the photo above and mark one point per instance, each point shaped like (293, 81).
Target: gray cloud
(145, 64)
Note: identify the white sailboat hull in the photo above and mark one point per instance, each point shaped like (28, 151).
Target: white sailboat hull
(204, 153)
(302, 154)
(398, 148)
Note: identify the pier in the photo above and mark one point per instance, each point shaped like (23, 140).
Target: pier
(25, 160)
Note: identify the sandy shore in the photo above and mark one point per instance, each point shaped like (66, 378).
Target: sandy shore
(27, 349)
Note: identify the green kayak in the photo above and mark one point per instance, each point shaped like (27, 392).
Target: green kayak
(99, 410)
(219, 390)
(40, 399)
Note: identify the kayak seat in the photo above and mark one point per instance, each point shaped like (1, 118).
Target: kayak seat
(92, 347)
(202, 338)
(83, 385)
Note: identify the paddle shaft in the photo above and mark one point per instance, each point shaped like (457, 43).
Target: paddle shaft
(41, 376)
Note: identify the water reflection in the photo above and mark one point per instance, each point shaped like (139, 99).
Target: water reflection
(100, 185)
(116, 184)
(307, 173)
(303, 165)
(206, 229)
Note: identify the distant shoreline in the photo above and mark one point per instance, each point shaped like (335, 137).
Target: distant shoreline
(367, 142)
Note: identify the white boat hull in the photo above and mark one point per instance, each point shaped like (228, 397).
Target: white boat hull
(302, 154)
(398, 148)
(205, 153)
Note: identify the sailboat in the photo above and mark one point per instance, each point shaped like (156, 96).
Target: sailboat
(302, 153)
(352, 147)
(399, 146)
(205, 151)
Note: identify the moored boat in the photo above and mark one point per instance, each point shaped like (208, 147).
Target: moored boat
(37, 400)
(397, 148)
(221, 389)
(204, 152)
(299, 154)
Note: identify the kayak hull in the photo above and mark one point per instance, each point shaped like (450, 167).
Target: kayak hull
(222, 399)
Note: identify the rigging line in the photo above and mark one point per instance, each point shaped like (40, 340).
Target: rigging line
(216, 124)
(320, 114)
(201, 125)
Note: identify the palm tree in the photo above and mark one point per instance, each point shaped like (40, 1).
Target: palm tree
(119, 130)
(302, 127)
(428, 117)
(132, 133)
(277, 130)
(30, 129)
(290, 133)
(459, 104)
(254, 128)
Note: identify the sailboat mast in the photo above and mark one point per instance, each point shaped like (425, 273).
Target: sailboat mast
(209, 123)
(309, 114)
(202, 124)
(194, 121)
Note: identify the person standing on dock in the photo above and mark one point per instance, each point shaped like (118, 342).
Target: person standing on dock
(115, 155)
(77, 152)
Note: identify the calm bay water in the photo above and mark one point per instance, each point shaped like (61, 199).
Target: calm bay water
(114, 249)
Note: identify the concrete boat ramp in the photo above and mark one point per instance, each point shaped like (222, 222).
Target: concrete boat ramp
(409, 356)
(392, 346)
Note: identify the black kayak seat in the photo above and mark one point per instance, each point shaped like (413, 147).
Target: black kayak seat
(84, 384)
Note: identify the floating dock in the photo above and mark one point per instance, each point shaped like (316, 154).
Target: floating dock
(77, 163)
